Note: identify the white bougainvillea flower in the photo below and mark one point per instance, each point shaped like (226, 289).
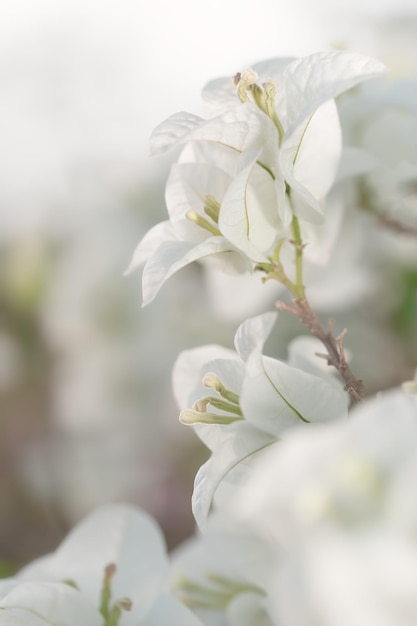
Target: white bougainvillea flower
(222, 575)
(343, 474)
(244, 173)
(111, 570)
(252, 400)
(343, 521)
(381, 122)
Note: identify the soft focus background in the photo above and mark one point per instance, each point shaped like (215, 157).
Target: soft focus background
(86, 411)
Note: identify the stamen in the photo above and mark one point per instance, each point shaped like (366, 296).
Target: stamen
(212, 208)
(201, 221)
(244, 84)
(212, 381)
(218, 403)
(105, 596)
(190, 416)
(270, 109)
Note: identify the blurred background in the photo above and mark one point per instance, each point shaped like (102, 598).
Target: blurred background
(86, 410)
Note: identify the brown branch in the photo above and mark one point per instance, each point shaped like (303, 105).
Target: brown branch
(334, 345)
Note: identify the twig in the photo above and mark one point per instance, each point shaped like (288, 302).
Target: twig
(334, 345)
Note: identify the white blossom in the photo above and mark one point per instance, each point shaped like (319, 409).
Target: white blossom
(245, 173)
(261, 397)
(112, 566)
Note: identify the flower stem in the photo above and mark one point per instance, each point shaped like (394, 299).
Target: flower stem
(335, 355)
(299, 291)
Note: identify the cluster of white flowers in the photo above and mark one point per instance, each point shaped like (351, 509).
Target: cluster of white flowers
(306, 507)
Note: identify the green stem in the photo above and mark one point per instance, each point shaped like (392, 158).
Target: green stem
(299, 286)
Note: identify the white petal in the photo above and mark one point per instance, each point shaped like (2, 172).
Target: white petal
(239, 442)
(150, 243)
(243, 127)
(309, 160)
(220, 92)
(252, 334)
(190, 183)
(272, 69)
(312, 80)
(52, 604)
(173, 130)
(172, 256)
(168, 611)
(318, 156)
(242, 220)
(247, 609)
(119, 534)
(271, 398)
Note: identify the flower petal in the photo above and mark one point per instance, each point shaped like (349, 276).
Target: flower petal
(244, 218)
(118, 534)
(271, 398)
(51, 604)
(314, 79)
(150, 243)
(172, 256)
(168, 611)
(252, 334)
(173, 130)
(239, 441)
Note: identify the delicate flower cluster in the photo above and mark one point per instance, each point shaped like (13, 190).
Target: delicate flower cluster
(254, 400)
(305, 516)
(271, 153)
(344, 519)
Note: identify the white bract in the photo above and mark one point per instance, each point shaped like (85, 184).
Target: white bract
(111, 570)
(222, 575)
(343, 521)
(380, 120)
(252, 400)
(244, 174)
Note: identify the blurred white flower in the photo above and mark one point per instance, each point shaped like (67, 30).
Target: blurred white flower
(112, 569)
(380, 119)
(222, 575)
(343, 521)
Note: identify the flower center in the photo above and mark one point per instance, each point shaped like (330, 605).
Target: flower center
(226, 401)
(262, 95)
